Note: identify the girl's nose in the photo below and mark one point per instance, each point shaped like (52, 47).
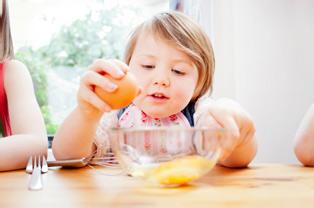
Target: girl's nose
(161, 79)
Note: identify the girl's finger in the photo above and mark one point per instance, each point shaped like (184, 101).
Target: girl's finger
(231, 134)
(247, 129)
(227, 145)
(92, 79)
(228, 123)
(121, 64)
(88, 96)
(102, 66)
(208, 139)
(248, 134)
(208, 121)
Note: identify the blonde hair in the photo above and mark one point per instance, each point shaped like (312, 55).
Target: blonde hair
(6, 45)
(188, 37)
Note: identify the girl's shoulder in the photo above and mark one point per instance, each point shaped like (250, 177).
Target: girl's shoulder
(18, 82)
(15, 72)
(15, 66)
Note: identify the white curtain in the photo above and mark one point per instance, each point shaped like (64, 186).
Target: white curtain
(200, 10)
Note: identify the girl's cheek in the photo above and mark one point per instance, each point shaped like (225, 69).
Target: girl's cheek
(185, 89)
(181, 94)
(143, 80)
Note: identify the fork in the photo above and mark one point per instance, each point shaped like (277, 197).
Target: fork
(44, 165)
(36, 181)
(108, 160)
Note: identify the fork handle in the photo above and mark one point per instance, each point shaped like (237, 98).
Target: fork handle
(36, 181)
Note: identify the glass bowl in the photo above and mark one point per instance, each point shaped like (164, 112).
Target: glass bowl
(168, 156)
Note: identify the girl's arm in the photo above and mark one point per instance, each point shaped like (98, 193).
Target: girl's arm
(304, 146)
(239, 145)
(75, 136)
(28, 129)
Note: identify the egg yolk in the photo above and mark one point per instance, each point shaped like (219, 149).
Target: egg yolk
(180, 171)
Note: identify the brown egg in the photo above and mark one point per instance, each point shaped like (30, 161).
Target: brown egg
(125, 93)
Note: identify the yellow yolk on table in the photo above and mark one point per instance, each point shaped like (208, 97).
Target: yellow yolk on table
(176, 172)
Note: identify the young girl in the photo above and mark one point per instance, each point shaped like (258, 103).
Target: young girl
(173, 62)
(304, 147)
(22, 123)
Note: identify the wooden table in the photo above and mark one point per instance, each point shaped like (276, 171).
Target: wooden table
(262, 185)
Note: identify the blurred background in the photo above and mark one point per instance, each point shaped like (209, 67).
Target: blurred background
(264, 51)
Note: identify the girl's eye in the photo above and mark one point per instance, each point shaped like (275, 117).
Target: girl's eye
(147, 66)
(178, 72)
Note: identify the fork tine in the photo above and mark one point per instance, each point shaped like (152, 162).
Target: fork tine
(35, 162)
(39, 162)
(29, 166)
(44, 168)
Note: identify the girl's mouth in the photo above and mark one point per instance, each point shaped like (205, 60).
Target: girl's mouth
(159, 96)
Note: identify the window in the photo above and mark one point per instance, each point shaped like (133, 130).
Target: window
(57, 40)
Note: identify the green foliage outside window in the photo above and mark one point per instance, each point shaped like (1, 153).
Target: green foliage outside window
(97, 35)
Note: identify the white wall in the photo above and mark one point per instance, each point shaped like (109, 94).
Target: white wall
(265, 60)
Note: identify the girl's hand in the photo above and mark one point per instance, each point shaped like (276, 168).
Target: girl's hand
(237, 123)
(304, 146)
(88, 102)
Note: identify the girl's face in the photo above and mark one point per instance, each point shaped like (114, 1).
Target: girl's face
(166, 75)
